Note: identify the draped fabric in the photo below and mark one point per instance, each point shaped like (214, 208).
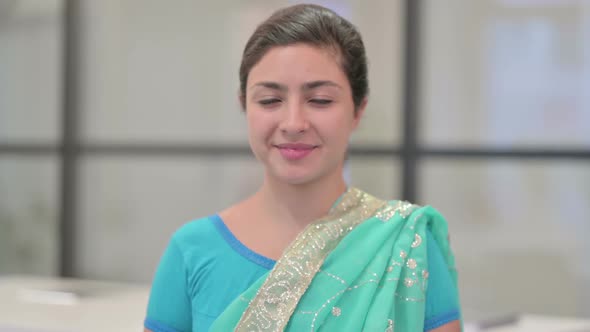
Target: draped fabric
(363, 267)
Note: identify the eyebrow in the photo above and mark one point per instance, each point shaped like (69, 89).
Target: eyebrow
(317, 84)
(271, 85)
(306, 86)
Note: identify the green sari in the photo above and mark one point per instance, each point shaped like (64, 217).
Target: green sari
(363, 267)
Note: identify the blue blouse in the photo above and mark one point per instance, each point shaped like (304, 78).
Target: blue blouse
(205, 267)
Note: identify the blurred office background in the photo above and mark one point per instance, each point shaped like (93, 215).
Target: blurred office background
(119, 122)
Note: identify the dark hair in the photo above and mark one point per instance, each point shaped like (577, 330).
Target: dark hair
(317, 26)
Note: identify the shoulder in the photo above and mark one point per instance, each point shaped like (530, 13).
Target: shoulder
(422, 220)
(427, 225)
(412, 212)
(194, 233)
(195, 246)
(417, 221)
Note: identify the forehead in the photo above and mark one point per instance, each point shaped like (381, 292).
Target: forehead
(296, 64)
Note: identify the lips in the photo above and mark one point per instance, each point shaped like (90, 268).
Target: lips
(295, 146)
(295, 151)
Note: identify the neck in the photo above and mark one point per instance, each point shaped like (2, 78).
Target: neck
(299, 205)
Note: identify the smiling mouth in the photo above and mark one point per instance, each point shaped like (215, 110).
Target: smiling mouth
(295, 151)
(296, 146)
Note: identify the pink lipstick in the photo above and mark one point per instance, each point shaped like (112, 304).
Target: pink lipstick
(295, 151)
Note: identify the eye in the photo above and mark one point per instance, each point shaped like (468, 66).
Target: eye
(320, 101)
(269, 101)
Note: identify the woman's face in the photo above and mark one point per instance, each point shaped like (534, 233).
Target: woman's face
(300, 113)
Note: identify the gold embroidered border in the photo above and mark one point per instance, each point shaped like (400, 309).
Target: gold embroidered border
(277, 298)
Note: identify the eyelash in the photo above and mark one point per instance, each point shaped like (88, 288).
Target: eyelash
(268, 102)
(321, 102)
(271, 101)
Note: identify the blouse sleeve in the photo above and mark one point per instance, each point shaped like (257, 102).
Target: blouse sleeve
(169, 307)
(442, 303)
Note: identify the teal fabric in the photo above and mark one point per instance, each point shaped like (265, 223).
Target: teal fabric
(373, 274)
(442, 304)
(205, 268)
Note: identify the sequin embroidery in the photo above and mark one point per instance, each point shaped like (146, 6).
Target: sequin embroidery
(278, 296)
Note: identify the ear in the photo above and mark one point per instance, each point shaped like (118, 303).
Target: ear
(360, 111)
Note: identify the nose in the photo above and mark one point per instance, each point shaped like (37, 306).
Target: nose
(294, 120)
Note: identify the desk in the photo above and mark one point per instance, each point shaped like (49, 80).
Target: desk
(37, 304)
(532, 323)
(536, 323)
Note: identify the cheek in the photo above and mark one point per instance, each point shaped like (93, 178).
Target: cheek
(259, 127)
(339, 129)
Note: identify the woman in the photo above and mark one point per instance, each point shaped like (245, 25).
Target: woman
(305, 252)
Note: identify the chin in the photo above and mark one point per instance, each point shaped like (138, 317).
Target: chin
(292, 178)
(295, 180)
(298, 175)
